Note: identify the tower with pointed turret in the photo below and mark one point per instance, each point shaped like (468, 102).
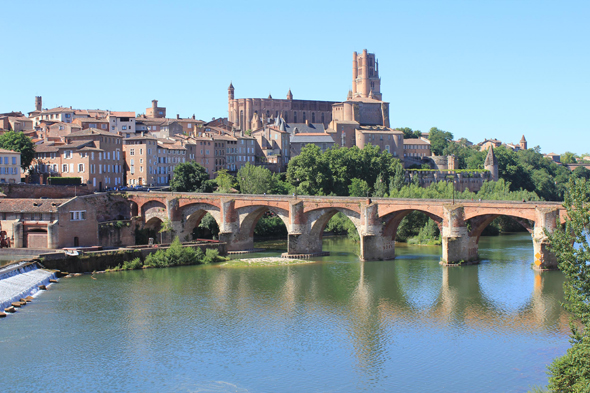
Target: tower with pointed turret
(523, 144)
(365, 76)
(491, 164)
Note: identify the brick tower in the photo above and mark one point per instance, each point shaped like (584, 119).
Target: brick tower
(365, 76)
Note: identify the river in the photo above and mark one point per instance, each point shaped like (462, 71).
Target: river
(336, 325)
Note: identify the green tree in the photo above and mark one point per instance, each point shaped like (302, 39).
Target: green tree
(581, 172)
(568, 158)
(439, 140)
(254, 179)
(225, 181)
(189, 177)
(358, 188)
(310, 172)
(409, 133)
(571, 372)
(19, 142)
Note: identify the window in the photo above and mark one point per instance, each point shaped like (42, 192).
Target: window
(124, 127)
(78, 215)
(64, 168)
(68, 154)
(113, 128)
(80, 167)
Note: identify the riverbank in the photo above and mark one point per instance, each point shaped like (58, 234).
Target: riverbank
(267, 261)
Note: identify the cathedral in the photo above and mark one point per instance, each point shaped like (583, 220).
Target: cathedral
(363, 104)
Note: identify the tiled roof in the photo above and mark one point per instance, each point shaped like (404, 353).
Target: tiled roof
(8, 151)
(59, 109)
(415, 141)
(18, 205)
(91, 131)
(122, 114)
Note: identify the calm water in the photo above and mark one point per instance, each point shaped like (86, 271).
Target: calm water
(337, 325)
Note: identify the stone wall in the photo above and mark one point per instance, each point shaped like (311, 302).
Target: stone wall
(101, 260)
(120, 233)
(45, 191)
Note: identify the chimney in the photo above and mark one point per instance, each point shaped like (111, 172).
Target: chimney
(177, 116)
(193, 116)
(306, 122)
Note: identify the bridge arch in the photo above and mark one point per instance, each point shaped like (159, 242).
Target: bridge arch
(481, 222)
(248, 217)
(319, 218)
(393, 219)
(192, 214)
(153, 209)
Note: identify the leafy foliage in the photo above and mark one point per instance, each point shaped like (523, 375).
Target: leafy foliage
(62, 181)
(225, 181)
(439, 140)
(189, 177)
(332, 172)
(571, 372)
(19, 142)
(254, 179)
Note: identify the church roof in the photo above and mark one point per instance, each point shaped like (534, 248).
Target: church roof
(523, 139)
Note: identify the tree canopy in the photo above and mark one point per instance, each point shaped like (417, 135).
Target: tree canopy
(332, 172)
(571, 372)
(189, 177)
(19, 142)
(439, 140)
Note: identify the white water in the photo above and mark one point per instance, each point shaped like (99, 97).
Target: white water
(19, 281)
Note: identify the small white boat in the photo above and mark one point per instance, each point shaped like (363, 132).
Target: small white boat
(72, 253)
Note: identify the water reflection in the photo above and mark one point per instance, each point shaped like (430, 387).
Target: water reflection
(337, 324)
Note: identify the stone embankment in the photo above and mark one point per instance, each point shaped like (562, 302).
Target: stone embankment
(89, 261)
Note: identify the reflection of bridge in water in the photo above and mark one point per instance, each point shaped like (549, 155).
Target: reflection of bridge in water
(371, 298)
(376, 220)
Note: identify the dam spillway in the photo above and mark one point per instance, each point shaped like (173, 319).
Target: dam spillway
(20, 280)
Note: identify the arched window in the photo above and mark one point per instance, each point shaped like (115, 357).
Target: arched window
(294, 117)
(313, 117)
(322, 118)
(304, 117)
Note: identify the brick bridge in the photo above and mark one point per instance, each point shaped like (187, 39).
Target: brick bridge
(376, 220)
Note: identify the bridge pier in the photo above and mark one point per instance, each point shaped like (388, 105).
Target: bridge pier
(547, 218)
(457, 245)
(377, 248)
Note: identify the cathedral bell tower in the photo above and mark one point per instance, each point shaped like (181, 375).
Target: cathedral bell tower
(365, 76)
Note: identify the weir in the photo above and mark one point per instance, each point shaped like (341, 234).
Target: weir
(20, 280)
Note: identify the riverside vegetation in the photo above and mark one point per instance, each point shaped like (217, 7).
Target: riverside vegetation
(175, 255)
(571, 372)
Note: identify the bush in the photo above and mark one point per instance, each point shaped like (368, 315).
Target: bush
(177, 255)
(132, 265)
(65, 181)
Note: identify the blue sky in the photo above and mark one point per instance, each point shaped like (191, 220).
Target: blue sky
(479, 69)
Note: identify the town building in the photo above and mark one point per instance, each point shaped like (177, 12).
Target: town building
(93, 155)
(417, 147)
(122, 122)
(10, 170)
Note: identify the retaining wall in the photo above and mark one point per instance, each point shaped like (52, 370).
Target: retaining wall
(101, 260)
